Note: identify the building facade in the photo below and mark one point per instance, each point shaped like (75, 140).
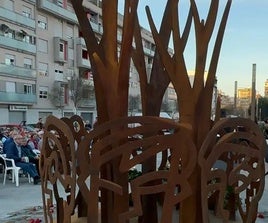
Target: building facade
(244, 97)
(44, 56)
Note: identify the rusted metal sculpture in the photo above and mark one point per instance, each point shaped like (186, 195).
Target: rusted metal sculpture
(58, 170)
(232, 156)
(150, 141)
(71, 167)
(92, 168)
(195, 101)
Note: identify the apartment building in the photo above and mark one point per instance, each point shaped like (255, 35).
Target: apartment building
(44, 55)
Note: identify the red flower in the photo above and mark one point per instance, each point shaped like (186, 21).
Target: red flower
(260, 215)
(35, 220)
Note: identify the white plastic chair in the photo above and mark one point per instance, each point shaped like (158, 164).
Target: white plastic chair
(13, 168)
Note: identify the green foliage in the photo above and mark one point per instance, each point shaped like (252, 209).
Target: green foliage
(263, 108)
(133, 173)
(56, 95)
(228, 198)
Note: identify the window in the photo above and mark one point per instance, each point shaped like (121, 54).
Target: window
(70, 31)
(28, 63)
(30, 39)
(42, 25)
(10, 59)
(42, 45)
(28, 89)
(59, 74)
(147, 44)
(84, 54)
(26, 39)
(10, 34)
(11, 87)
(43, 92)
(61, 47)
(43, 69)
(42, 22)
(26, 11)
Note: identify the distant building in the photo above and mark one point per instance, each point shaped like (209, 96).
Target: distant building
(266, 88)
(226, 100)
(244, 97)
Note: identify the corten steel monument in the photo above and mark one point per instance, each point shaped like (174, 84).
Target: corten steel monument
(86, 174)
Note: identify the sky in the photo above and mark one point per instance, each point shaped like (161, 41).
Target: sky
(245, 40)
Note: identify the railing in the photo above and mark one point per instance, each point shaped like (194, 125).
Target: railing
(18, 72)
(11, 97)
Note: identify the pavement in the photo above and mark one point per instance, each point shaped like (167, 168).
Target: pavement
(28, 195)
(14, 198)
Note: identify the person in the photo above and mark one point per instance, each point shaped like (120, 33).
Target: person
(14, 152)
(39, 125)
(33, 140)
(27, 151)
(88, 126)
(40, 142)
(9, 139)
(3, 135)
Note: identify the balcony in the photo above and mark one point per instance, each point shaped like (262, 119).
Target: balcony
(15, 98)
(17, 18)
(82, 62)
(93, 5)
(57, 10)
(17, 72)
(18, 45)
(148, 51)
(60, 50)
(87, 103)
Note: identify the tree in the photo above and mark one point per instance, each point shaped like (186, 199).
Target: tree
(57, 96)
(133, 103)
(79, 90)
(262, 108)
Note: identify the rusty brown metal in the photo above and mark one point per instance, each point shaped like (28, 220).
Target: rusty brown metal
(93, 167)
(232, 155)
(57, 168)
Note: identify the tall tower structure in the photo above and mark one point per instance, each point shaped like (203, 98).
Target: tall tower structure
(253, 95)
(235, 95)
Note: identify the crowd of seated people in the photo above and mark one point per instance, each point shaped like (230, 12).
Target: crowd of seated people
(24, 148)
